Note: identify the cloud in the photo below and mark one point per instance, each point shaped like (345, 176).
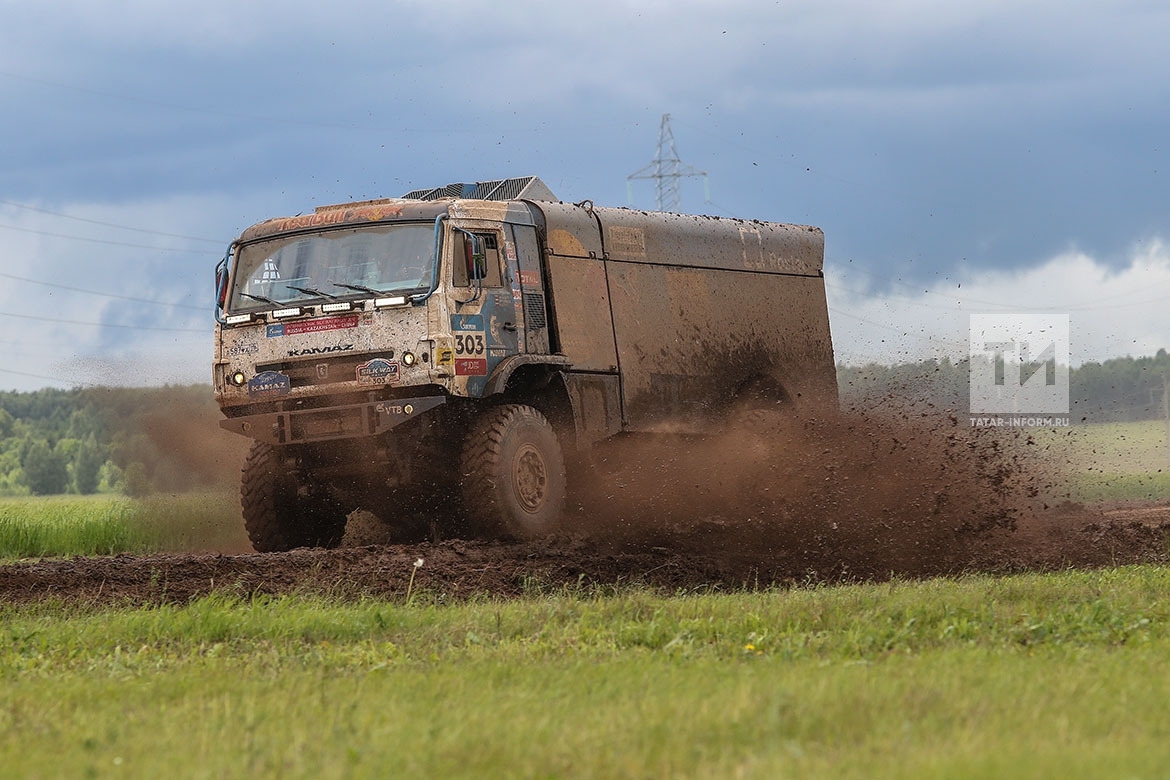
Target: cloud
(111, 293)
(915, 132)
(1113, 312)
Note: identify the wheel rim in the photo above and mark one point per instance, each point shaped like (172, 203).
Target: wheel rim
(529, 478)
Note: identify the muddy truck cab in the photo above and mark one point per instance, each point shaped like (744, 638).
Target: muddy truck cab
(437, 358)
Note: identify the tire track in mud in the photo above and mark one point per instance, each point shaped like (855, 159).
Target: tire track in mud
(1069, 536)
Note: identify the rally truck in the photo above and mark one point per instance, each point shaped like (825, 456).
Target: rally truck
(443, 355)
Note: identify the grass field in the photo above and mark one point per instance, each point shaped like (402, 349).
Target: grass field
(1116, 448)
(34, 527)
(1109, 462)
(1056, 676)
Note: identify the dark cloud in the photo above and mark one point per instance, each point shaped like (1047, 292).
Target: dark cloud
(926, 139)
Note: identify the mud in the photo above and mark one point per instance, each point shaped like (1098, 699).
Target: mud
(775, 501)
(454, 569)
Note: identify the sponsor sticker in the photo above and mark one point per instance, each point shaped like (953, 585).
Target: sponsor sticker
(470, 366)
(378, 371)
(268, 383)
(312, 326)
(445, 356)
(470, 340)
(467, 322)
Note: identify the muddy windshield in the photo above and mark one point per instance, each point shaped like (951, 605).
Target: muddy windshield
(334, 264)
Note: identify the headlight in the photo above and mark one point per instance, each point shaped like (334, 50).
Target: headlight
(238, 379)
(408, 358)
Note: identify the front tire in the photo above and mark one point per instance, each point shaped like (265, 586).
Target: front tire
(280, 513)
(513, 473)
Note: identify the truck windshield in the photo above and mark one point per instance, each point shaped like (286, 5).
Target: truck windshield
(334, 264)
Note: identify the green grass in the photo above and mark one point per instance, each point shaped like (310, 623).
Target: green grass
(1104, 487)
(1116, 448)
(191, 522)
(35, 527)
(1058, 676)
(66, 525)
(1107, 462)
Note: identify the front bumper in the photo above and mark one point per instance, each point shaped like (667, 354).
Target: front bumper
(332, 422)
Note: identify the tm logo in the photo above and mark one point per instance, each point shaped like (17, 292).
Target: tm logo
(1019, 364)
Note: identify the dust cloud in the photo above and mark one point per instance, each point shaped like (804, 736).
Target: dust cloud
(855, 494)
(784, 496)
(774, 500)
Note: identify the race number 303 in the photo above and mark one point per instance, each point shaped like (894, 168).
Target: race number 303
(469, 344)
(469, 331)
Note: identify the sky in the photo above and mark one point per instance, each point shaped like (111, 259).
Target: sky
(961, 157)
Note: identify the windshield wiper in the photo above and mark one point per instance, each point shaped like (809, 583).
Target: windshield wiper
(310, 291)
(359, 288)
(260, 298)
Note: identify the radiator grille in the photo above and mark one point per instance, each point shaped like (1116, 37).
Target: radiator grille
(323, 370)
(534, 316)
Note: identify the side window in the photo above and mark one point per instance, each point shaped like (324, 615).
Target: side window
(489, 242)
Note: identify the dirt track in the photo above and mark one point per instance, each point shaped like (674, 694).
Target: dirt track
(778, 501)
(1071, 536)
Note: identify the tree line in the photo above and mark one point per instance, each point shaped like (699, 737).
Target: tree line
(134, 441)
(1120, 390)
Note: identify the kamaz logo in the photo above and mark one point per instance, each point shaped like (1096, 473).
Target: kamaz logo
(320, 350)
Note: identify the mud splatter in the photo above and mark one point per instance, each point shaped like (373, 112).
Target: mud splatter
(774, 500)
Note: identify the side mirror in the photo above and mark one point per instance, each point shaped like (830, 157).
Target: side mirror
(475, 255)
(221, 281)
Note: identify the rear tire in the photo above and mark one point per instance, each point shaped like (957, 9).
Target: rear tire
(513, 473)
(280, 513)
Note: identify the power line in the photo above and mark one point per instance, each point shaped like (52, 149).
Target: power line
(933, 203)
(107, 224)
(956, 307)
(48, 378)
(108, 243)
(206, 331)
(106, 295)
(901, 331)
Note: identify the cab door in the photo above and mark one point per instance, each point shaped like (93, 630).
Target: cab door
(485, 323)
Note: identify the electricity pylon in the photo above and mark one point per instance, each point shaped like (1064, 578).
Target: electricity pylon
(666, 169)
